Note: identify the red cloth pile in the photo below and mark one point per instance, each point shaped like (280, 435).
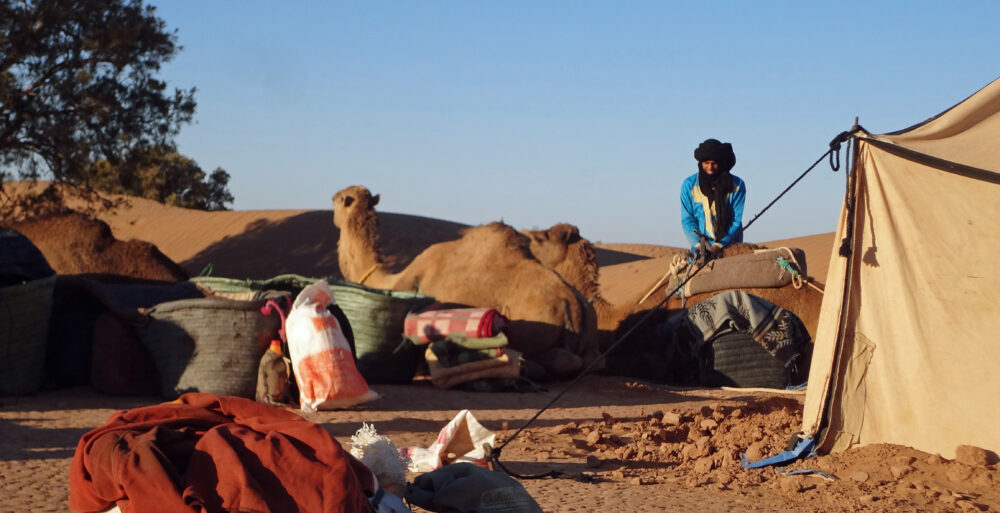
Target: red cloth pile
(431, 325)
(207, 453)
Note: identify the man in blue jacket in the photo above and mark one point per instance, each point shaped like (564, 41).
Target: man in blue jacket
(712, 199)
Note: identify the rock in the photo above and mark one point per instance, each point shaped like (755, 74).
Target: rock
(594, 461)
(594, 437)
(671, 418)
(695, 480)
(756, 451)
(972, 455)
(958, 472)
(983, 479)
(567, 428)
(899, 471)
(935, 459)
(627, 453)
(635, 481)
(722, 477)
(688, 451)
(704, 465)
(867, 499)
(609, 421)
(902, 460)
(860, 476)
(967, 505)
(736, 413)
(792, 484)
(709, 424)
(542, 456)
(706, 411)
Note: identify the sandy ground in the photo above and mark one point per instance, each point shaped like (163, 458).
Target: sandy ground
(629, 445)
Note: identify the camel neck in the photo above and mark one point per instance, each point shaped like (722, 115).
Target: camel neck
(358, 251)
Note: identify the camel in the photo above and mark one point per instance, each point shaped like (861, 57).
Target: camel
(490, 266)
(562, 249)
(76, 243)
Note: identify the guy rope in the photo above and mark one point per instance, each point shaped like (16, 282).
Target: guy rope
(493, 453)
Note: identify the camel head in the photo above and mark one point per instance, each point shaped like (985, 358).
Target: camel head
(550, 246)
(352, 199)
(562, 249)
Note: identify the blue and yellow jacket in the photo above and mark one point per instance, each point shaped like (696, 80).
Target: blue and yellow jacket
(694, 204)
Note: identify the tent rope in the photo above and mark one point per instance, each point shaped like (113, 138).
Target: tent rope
(493, 453)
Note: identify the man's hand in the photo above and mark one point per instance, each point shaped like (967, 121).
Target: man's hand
(715, 250)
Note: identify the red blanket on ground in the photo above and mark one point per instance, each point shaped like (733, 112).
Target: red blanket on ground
(433, 325)
(207, 453)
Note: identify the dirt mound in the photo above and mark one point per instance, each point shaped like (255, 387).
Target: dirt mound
(75, 243)
(702, 449)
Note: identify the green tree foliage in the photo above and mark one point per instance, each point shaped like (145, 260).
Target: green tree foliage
(80, 103)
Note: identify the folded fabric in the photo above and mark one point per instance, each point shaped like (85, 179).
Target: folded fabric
(431, 325)
(506, 365)
(458, 349)
(208, 453)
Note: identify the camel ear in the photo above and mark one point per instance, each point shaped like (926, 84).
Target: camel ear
(375, 199)
(567, 233)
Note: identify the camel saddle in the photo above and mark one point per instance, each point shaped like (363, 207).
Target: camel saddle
(755, 270)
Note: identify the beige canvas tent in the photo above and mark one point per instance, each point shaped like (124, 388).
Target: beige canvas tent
(908, 344)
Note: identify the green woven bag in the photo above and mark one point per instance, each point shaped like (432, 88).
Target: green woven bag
(208, 345)
(252, 289)
(377, 317)
(24, 334)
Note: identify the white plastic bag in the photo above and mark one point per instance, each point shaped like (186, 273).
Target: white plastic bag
(321, 357)
(460, 441)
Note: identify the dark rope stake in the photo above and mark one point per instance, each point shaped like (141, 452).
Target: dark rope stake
(493, 453)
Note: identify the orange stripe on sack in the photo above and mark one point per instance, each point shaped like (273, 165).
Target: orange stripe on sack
(326, 322)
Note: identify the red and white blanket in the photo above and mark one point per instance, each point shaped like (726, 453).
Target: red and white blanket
(428, 326)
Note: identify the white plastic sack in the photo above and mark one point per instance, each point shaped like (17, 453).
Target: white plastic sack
(321, 356)
(460, 441)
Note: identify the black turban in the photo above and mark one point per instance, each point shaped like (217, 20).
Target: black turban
(718, 185)
(720, 152)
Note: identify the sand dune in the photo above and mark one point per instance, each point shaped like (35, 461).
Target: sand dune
(264, 243)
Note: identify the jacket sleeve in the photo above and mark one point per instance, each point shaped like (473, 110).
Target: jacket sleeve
(689, 220)
(736, 201)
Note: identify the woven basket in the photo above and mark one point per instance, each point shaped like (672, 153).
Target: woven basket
(253, 289)
(120, 363)
(735, 359)
(208, 345)
(377, 317)
(24, 327)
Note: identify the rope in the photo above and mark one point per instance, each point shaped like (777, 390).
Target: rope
(493, 457)
(687, 271)
(786, 264)
(677, 262)
(367, 274)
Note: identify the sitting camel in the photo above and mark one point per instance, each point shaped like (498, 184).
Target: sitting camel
(563, 249)
(489, 267)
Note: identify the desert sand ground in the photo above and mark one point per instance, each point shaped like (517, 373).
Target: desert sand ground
(620, 443)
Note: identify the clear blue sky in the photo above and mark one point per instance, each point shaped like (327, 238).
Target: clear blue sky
(544, 112)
